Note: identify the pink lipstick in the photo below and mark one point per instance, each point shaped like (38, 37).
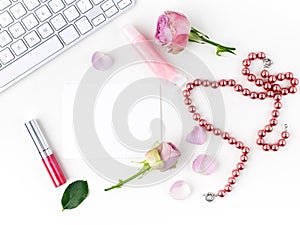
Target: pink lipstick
(48, 158)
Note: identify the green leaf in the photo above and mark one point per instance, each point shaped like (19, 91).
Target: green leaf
(74, 194)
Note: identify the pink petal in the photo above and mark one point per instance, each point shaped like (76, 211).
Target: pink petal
(101, 61)
(180, 190)
(204, 164)
(196, 136)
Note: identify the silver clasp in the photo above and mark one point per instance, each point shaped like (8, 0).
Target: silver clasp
(210, 196)
(267, 62)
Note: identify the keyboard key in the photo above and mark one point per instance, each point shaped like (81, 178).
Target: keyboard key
(4, 4)
(45, 30)
(58, 22)
(31, 4)
(16, 30)
(30, 60)
(6, 56)
(30, 21)
(5, 19)
(71, 13)
(84, 5)
(4, 39)
(98, 20)
(83, 25)
(124, 3)
(96, 2)
(18, 10)
(19, 47)
(69, 1)
(69, 34)
(56, 5)
(112, 11)
(32, 39)
(43, 13)
(106, 5)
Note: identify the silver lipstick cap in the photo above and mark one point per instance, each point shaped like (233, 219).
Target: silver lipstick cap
(37, 136)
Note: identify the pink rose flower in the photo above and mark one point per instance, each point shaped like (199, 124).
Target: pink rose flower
(163, 157)
(173, 31)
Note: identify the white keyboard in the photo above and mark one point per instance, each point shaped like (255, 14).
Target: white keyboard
(32, 32)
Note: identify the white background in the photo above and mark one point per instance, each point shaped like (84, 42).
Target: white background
(268, 191)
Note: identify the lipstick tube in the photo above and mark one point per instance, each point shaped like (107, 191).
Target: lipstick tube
(48, 158)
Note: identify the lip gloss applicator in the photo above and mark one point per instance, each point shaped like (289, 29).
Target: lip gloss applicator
(48, 158)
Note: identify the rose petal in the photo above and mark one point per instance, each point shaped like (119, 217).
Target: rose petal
(204, 164)
(180, 190)
(101, 61)
(196, 136)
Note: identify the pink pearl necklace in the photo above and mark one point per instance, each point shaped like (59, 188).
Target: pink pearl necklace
(271, 90)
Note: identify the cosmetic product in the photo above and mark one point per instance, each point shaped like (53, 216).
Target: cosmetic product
(48, 158)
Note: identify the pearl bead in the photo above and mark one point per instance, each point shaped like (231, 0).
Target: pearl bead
(214, 84)
(292, 90)
(262, 95)
(252, 56)
(192, 108)
(189, 86)
(264, 74)
(244, 158)
(270, 94)
(232, 141)
(267, 86)
(202, 122)
(260, 141)
(246, 62)
(217, 131)
(285, 134)
(238, 88)
(231, 83)
(284, 91)
(277, 97)
(259, 82)
(196, 116)
(294, 81)
(289, 75)
(275, 148)
(246, 92)
(231, 180)
(222, 83)
(280, 76)
(261, 55)
(261, 133)
(205, 83)
(240, 166)
(245, 71)
(273, 122)
(266, 147)
(209, 127)
(186, 93)
(227, 188)
(239, 145)
(253, 95)
(197, 82)
(272, 79)
(235, 173)
(277, 105)
(268, 128)
(281, 142)
(187, 101)
(225, 135)
(276, 88)
(251, 77)
(221, 193)
(275, 113)
(245, 150)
